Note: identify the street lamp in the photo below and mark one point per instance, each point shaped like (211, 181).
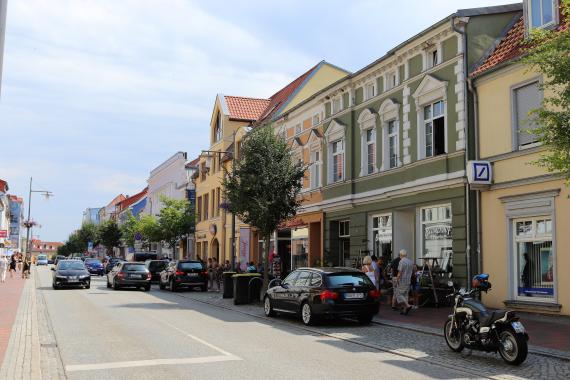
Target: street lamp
(29, 223)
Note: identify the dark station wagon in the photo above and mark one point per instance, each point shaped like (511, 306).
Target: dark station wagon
(317, 293)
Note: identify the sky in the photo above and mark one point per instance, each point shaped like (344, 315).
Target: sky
(96, 93)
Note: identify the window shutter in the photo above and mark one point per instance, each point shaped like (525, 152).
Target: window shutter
(527, 98)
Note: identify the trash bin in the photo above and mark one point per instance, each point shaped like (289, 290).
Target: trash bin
(255, 285)
(228, 284)
(241, 287)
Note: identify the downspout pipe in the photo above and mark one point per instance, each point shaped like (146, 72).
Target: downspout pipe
(463, 34)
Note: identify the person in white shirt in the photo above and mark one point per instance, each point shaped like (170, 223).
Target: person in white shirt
(405, 269)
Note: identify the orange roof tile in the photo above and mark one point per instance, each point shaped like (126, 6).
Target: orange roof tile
(125, 203)
(248, 109)
(510, 47)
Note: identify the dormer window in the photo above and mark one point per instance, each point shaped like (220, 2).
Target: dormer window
(541, 13)
(218, 128)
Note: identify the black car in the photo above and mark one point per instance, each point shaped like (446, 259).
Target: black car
(111, 263)
(155, 267)
(127, 274)
(315, 293)
(184, 273)
(70, 273)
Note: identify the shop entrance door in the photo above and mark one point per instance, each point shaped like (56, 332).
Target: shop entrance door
(284, 251)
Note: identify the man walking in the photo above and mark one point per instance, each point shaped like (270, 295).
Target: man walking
(403, 280)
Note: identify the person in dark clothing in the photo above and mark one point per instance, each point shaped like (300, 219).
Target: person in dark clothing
(394, 267)
(527, 283)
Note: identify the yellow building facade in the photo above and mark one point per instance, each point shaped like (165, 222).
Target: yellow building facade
(525, 213)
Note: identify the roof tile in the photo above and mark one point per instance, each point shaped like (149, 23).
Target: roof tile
(242, 108)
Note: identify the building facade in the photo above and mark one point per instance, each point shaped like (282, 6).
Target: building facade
(392, 143)
(525, 211)
(91, 215)
(4, 217)
(3, 12)
(16, 219)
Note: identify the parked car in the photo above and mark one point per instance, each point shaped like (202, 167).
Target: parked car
(57, 258)
(317, 293)
(70, 273)
(51, 260)
(42, 260)
(184, 273)
(94, 266)
(126, 274)
(155, 267)
(111, 263)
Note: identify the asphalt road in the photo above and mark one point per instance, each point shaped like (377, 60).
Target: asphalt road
(130, 334)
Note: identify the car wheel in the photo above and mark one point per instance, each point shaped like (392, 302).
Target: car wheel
(172, 285)
(365, 319)
(88, 286)
(54, 286)
(115, 285)
(108, 284)
(268, 307)
(307, 315)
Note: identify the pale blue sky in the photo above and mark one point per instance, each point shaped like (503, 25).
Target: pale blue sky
(96, 93)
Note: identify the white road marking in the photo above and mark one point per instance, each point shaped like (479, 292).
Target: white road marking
(151, 362)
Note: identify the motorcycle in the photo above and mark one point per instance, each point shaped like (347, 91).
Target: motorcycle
(474, 327)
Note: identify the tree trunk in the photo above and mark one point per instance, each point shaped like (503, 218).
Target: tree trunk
(266, 265)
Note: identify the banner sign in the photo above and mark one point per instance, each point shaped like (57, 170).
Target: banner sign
(243, 248)
(3, 233)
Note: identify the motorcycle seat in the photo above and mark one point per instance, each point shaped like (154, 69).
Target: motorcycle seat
(490, 317)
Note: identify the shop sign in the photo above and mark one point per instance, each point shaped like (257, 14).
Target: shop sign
(3, 233)
(479, 173)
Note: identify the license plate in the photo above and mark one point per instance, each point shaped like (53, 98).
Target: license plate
(136, 276)
(192, 274)
(72, 278)
(518, 327)
(354, 296)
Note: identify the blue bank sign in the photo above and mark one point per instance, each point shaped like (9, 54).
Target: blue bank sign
(480, 173)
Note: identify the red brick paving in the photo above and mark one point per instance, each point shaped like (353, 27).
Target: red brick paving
(10, 292)
(552, 332)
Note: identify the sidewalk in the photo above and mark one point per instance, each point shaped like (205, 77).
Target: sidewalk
(10, 294)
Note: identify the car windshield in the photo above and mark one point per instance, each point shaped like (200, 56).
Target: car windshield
(71, 265)
(190, 266)
(134, 268)
(91, 261)
(156, 265)
(348, 279)
(42, 257)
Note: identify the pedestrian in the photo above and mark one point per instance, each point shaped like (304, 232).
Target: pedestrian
(251, 268)
(227, 266)
(404, 278)
(394, 273)
(26, 268)
(217, 274)
(260, 268)
(3, 268)
(377, 271)
(368, 270)
(210, 273)
(12, 268)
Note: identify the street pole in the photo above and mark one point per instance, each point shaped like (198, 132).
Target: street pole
(28, 222)
(233, 215)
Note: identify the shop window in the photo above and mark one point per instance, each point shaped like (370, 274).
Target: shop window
(299, 245)
(436, 231)
(534, 259)
(525, 99)
(434, 128)
(382, 236)
(541, 13)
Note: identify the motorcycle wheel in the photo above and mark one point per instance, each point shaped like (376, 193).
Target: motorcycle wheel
(454, 341)
(512, 347)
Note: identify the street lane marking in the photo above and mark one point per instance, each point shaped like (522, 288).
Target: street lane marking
(151, 362)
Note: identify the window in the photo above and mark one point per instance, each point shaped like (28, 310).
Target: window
(199, 210)
(369, 91)
(382, 235)
(203, 171)
(434, 123)
(525, 99)
(303, 279)
(315, 171)
(534, 257)
(218, 196)
(218, 128)
(298, 129)
(391, 80)
(338, 160)
(290, 280)
(393, 144)
(336, 104)
(316, 119)
(206, 199)
(541, 13)
(432, 57)
(436, 231)
(370, 151)
(213, 203)
(344, 228)
(316, 280)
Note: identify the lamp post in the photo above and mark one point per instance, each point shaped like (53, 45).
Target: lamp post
(28, 223)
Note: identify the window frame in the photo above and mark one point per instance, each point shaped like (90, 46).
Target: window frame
(528, 10)
(334, 155)
(397, 144)
(370, 90)
(218, 128)
(346, 223)
(392, 74)
(432, 120)
(316, 116)
(315, 172)
(298, 129)
(514, 120)
(421, 223)
(340, 105)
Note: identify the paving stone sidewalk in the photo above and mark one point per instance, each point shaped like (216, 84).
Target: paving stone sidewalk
(32, 352)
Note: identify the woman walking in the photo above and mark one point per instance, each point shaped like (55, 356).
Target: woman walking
(12, 268)
(26, 268)
(368, 270)
(3, 268)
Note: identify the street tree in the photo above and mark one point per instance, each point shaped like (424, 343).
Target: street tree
(263, 186)
(129, 229)
(175, 220)
(109, 235)
(547, 51)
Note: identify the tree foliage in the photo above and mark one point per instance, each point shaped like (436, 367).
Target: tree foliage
(109, 235)
(263, 187)
(77, 241)
(548, 51)
(175, 220)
